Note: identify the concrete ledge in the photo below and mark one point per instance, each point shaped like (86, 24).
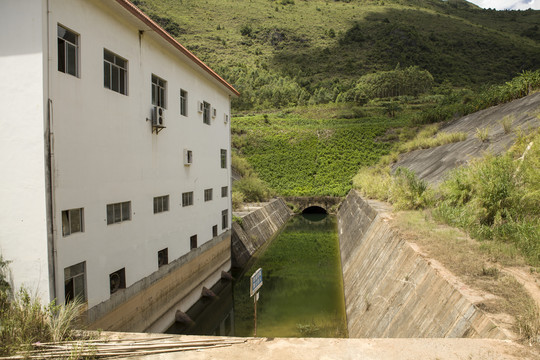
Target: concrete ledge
(137, 307)
(392, 291)
(349, 349)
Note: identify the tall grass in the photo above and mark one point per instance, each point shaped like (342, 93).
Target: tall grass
(498, 198)
(24, 321)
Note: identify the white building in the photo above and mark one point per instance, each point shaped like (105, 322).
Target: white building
(115, 150)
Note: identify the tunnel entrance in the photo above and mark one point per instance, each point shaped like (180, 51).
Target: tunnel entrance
(314, 210)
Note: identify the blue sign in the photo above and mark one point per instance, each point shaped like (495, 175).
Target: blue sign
(256, 282)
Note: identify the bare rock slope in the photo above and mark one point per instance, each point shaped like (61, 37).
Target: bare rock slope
(432, 164)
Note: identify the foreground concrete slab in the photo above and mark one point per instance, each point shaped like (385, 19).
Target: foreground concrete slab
(349, 349)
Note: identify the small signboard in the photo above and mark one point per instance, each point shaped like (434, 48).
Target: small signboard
(256, 282)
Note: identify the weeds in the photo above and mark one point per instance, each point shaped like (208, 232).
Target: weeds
(482, 134)
(24, 321)
(506, 123)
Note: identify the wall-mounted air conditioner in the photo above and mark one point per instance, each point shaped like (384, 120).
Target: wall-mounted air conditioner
(226, 118)
(188, 157)
(214, 112)
(200, 106)
(158, 116)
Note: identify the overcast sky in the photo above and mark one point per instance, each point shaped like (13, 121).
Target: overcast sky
(508, 4)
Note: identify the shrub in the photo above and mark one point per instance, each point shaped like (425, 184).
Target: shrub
(407, 192)
(237, 199)
(253, 189)
(506, 123)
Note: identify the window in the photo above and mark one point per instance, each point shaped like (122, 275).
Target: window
(158, 91)
(208, 195)
(161, 204)
(224, 191)
(72, 221)
(187, 198)
(214, 231)
(117, 280)
(188, 157)
(206, 113)
(193, 242)
(114, 72)
(183, 102)
(224, 219)
(223, 158)
(68, 51)
(118, 212)
(163, 257)
(75, 282)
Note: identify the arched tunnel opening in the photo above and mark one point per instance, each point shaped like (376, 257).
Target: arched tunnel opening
(314, 210)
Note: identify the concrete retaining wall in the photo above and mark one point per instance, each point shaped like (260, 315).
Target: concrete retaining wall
(150, 304)
(390, 290)
(256, 228)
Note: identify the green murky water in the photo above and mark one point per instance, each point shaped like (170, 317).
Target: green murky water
(302, 292)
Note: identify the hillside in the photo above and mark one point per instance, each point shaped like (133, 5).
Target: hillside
(287, 52)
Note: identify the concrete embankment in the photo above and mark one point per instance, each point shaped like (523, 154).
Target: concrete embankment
(392, 291)
(256, 228)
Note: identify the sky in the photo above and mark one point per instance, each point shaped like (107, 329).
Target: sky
(508, 4)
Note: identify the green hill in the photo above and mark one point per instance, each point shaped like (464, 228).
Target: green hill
(290, 52)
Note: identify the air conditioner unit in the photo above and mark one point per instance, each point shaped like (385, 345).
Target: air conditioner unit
(158, 116)
(214, 112)
(200, 106)
(226, 119)
(188, 157)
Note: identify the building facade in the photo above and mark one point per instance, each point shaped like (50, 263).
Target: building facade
(116, 157)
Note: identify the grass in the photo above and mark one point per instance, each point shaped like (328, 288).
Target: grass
(477, 264)
(25, 321)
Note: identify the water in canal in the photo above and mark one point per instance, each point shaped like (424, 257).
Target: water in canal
(302, 292)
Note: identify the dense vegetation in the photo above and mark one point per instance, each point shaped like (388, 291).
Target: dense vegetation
(288, 53)
(298, 155)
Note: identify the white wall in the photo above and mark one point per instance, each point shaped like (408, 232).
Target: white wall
(105, 152)
(23, 214)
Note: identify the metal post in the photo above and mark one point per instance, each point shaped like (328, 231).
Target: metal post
(255, 301)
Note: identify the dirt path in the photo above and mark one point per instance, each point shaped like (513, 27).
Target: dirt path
(529, 281)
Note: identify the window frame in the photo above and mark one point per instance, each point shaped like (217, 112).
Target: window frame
(122, 216)
(66, 45)
(224, 219)
(187, 198)
(225, 191)
(206, 113)
(183, 102)
(164, 254)
(77, 276)
(223, 158)
(208, 194)
(159, 91)
(112, 65)
(193, 242)
(161, 204)
(67, 221)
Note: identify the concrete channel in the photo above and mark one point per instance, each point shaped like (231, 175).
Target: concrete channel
(397, 305)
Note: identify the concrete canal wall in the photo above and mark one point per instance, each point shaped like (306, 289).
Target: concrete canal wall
(256, 228)
(390, 290)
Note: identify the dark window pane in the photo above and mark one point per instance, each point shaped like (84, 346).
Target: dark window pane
(117, 212)
(108, 56)
(126, 211)
(107, 75)
(75, 220)
(123, 82)
(115, 79)
(71, 60)
(61, 56)
(110, 214)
